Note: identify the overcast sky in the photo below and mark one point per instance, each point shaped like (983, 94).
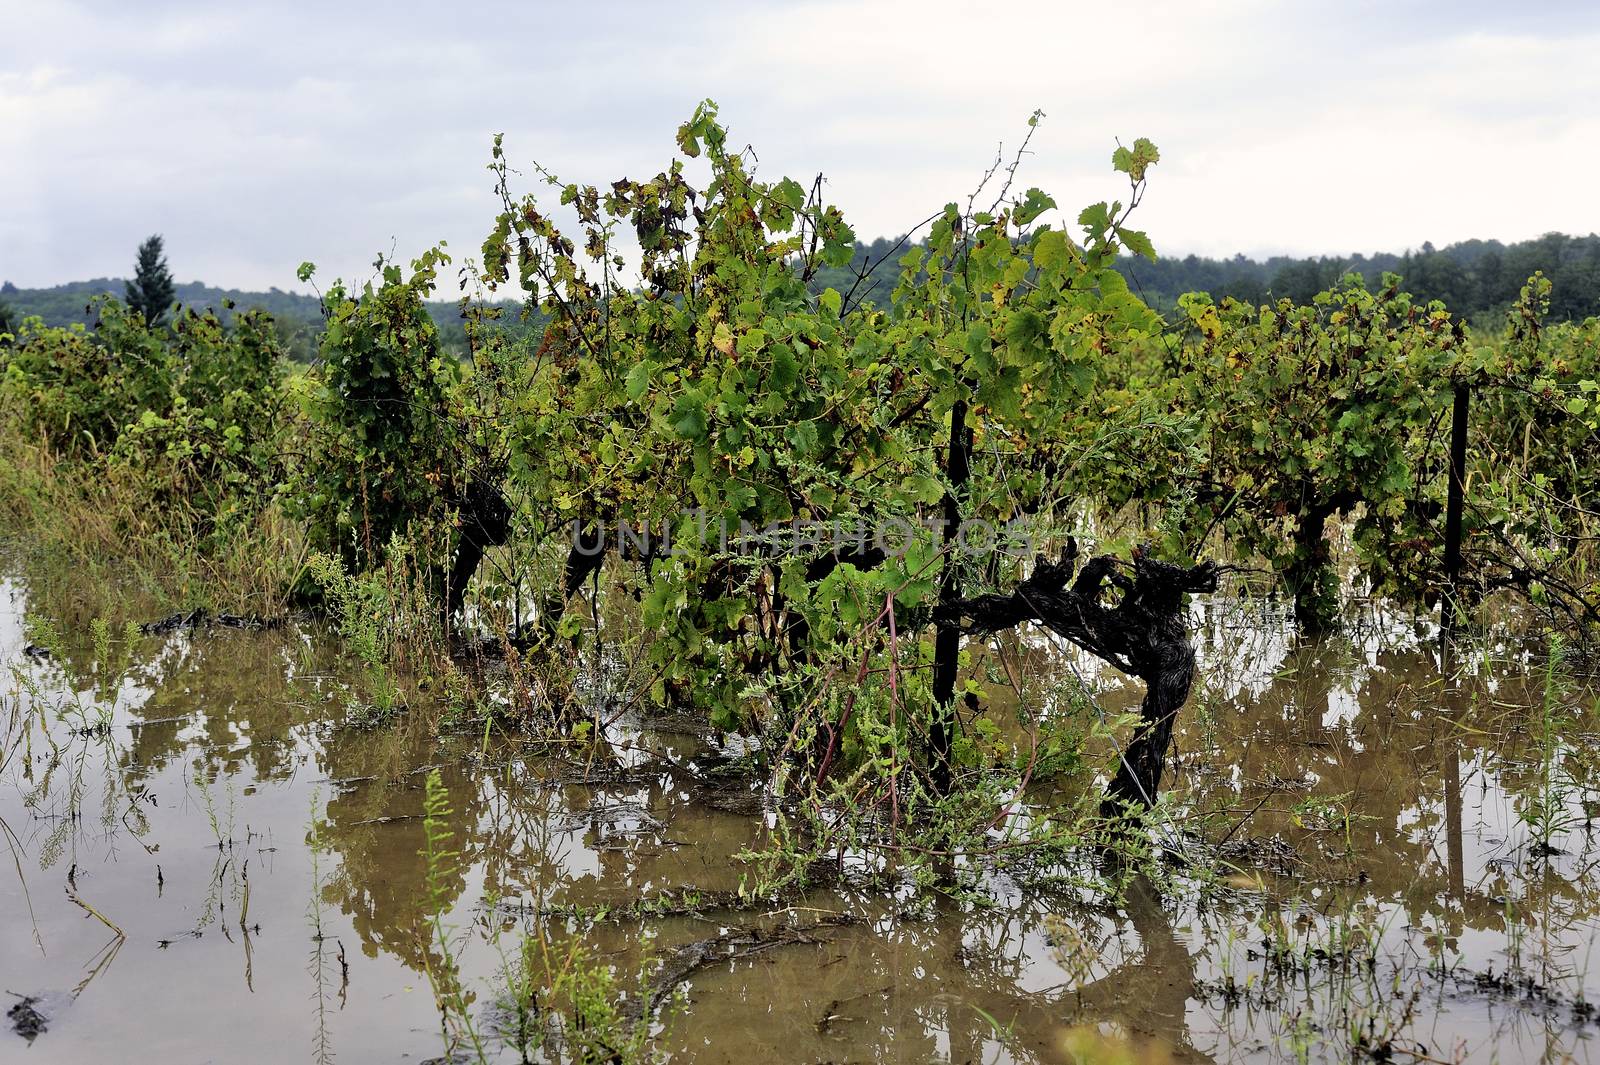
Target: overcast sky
(255, 136)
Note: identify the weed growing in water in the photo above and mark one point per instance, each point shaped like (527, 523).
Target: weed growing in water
(384, 619)
(1546, 812)
(1327, 813)
(322, 1045)
(454, 1005)
(112, 659)
(221, 829)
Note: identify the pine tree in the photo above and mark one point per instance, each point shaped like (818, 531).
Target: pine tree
(151, 289)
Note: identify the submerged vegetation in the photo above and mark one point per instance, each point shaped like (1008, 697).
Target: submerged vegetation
(711, 489)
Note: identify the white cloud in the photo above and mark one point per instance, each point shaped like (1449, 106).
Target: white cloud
(259, 136)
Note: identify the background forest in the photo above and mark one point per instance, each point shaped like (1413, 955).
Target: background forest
(1476, 279)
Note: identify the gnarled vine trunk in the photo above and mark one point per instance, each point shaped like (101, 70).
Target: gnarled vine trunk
(1142, 634)
(1310, 577)
(485, 518)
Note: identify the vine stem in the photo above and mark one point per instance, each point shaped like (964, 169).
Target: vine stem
(894, 702)
(947, 633)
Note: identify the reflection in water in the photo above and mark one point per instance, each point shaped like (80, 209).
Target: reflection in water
(1402, 854)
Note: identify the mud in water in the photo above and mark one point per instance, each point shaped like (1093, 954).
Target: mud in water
(203, 864)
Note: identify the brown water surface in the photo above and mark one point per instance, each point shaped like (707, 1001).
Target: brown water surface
(1399, 864)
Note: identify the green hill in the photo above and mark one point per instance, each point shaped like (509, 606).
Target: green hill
(299, 317)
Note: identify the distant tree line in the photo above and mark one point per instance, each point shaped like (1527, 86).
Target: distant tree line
(1476, 279)
(296, 318)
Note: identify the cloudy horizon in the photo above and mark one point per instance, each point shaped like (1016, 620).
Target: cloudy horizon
(256, 138)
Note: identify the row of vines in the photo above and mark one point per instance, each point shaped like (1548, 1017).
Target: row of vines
(791, 480)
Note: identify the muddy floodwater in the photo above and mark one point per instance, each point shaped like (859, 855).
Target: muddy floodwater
(205, 863)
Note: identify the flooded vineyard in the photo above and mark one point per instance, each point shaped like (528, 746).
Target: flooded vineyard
(1365, 857)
